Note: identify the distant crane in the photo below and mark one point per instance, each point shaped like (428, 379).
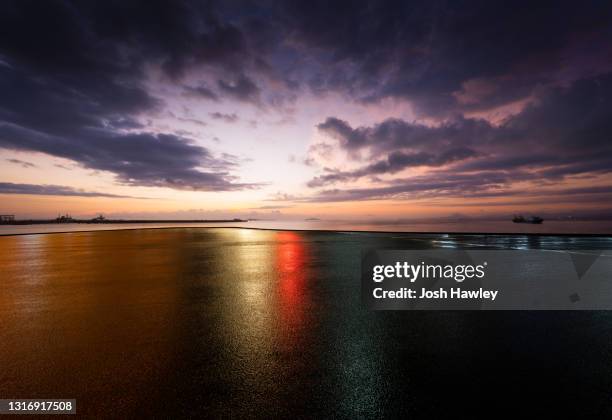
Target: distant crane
(99, 219)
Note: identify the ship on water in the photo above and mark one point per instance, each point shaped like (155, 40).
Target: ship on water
(535, 220)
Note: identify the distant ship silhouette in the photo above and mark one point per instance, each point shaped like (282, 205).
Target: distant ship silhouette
(535, 220)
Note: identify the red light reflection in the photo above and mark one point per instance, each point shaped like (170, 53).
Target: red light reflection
(291, 259)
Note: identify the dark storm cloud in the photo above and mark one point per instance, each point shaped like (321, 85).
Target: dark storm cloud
(180, 34)
(33, 189)
(475, 186)
(565, 132)
(72, 85)
(44, 116)
(395, 162)
(449, 56)
(72, 77)
(442, 56)
(465, 185)
(144, 159)
(342, 131)
(394, 133)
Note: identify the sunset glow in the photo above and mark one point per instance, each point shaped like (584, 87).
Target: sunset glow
(196, 111)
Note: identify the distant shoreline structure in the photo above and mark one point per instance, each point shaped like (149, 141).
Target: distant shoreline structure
(98, 220)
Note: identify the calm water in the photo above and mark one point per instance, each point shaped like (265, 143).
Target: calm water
(219, 322)
(597, 227)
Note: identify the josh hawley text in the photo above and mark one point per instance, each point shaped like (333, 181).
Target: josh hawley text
(453, 293)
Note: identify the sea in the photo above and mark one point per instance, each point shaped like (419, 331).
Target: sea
(579, 227)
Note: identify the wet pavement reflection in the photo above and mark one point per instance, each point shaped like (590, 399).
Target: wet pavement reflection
(237, 322)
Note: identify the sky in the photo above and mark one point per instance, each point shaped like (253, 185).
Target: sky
(342, 110)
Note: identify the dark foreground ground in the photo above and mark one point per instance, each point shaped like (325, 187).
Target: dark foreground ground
(237, 322)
